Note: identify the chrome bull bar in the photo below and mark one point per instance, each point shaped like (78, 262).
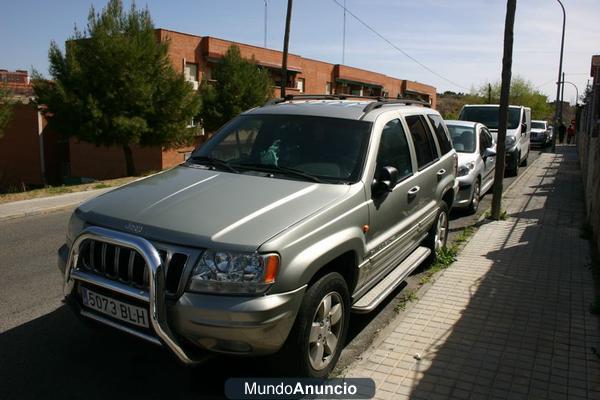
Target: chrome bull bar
(156, 273)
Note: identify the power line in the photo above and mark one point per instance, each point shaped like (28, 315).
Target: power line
(398, 48)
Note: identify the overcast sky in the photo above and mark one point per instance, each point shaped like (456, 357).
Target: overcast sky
(459, 39)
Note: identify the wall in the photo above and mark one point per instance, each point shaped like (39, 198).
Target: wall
(588, 146)
(20, 150)
(100, 162)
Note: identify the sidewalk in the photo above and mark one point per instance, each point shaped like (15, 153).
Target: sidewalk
(510, 319)
(43, 205)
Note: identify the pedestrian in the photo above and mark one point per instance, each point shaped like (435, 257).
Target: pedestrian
(561, 132)
(570, 133)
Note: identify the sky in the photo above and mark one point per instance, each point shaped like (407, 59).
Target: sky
(461, 40)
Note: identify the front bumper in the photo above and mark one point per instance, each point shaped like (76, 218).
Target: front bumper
(229, 324)
(464, 193)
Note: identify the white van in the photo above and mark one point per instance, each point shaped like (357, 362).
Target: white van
(518, 130)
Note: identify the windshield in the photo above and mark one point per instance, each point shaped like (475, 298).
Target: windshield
(489, 116)
(538, 125)
(463, 138)
(321, 148)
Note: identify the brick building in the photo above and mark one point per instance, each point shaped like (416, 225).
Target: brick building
(31, 155)
(195, 57)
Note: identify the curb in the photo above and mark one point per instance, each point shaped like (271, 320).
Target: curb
(48, 210)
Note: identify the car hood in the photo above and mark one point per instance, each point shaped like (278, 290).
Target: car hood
(509, 132)
(536, 130)
(465, 158)
(206, 208)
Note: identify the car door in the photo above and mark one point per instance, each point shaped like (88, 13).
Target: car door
(391, 214)
(429, 172)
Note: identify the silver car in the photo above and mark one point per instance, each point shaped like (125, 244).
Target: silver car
(476, 151)
(264, 241)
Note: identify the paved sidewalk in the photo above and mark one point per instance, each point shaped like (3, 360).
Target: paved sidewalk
(509, 319)
(42, 205)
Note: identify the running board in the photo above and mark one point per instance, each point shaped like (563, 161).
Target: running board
(379, 292)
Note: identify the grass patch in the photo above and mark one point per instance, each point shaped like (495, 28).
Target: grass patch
(464, 235)
(58, 189)
(101, 186)
(406, 298)
(503, 215)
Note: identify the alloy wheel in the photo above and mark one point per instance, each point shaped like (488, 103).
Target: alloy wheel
(325, 330)
(441, 231)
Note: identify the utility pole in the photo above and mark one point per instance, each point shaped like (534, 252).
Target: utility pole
(489, 93)
(562, 47)
(344, 37)
(286, 40)
(509, 24)
(562, 98)
(265, 46)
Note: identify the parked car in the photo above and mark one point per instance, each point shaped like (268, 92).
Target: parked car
(540, 133)
(476, 151)
(518, 130)
(293, 215)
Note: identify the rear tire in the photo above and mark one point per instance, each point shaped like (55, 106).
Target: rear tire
(437, 240)
(319, 332)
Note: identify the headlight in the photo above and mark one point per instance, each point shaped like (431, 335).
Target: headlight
(233, 273)
(465, 169)
(510, 140)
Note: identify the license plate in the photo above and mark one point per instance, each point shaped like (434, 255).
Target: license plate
(115, 308)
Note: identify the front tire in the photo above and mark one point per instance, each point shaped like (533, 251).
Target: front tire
(319, 332)
(475, 197)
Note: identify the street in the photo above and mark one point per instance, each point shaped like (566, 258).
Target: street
(46, 352)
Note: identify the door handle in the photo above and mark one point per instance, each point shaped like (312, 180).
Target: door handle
(413, 191)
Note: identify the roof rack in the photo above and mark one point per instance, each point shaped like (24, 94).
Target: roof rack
(378, 101)
(385, 102)
(291, 97)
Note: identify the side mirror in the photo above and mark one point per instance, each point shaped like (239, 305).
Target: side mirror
(489, 152)
(523, 128)
(387, 179)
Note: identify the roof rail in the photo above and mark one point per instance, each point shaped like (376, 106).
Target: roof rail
(378, 101)
(385, 102)
(291, 97)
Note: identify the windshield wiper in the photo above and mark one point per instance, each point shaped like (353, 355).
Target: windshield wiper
(215, 162)
(280, 170)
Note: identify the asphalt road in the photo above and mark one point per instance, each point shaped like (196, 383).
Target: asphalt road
(46, 352)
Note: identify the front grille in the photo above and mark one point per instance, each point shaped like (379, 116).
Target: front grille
(127, 266)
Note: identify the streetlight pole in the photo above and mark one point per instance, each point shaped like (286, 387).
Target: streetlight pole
(562, 46)
(265, 46)
(286, 40)
(576, 91)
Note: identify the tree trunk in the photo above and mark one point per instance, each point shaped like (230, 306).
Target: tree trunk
(129, 164)
(509, 23)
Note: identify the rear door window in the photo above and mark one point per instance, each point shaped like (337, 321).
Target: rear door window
(423, 140)
(440, 133)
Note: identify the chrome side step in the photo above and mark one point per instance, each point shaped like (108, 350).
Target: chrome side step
(379, 292)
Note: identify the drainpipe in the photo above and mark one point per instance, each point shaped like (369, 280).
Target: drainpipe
(41, 142)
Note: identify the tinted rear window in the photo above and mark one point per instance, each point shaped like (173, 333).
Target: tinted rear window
(489, 116)
(440, 133)
(422, 139)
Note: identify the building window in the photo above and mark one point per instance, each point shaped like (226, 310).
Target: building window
(300, 85)
(191, 74)
(328, 88)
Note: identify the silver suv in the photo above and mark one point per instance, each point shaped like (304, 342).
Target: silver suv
(292, 216)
